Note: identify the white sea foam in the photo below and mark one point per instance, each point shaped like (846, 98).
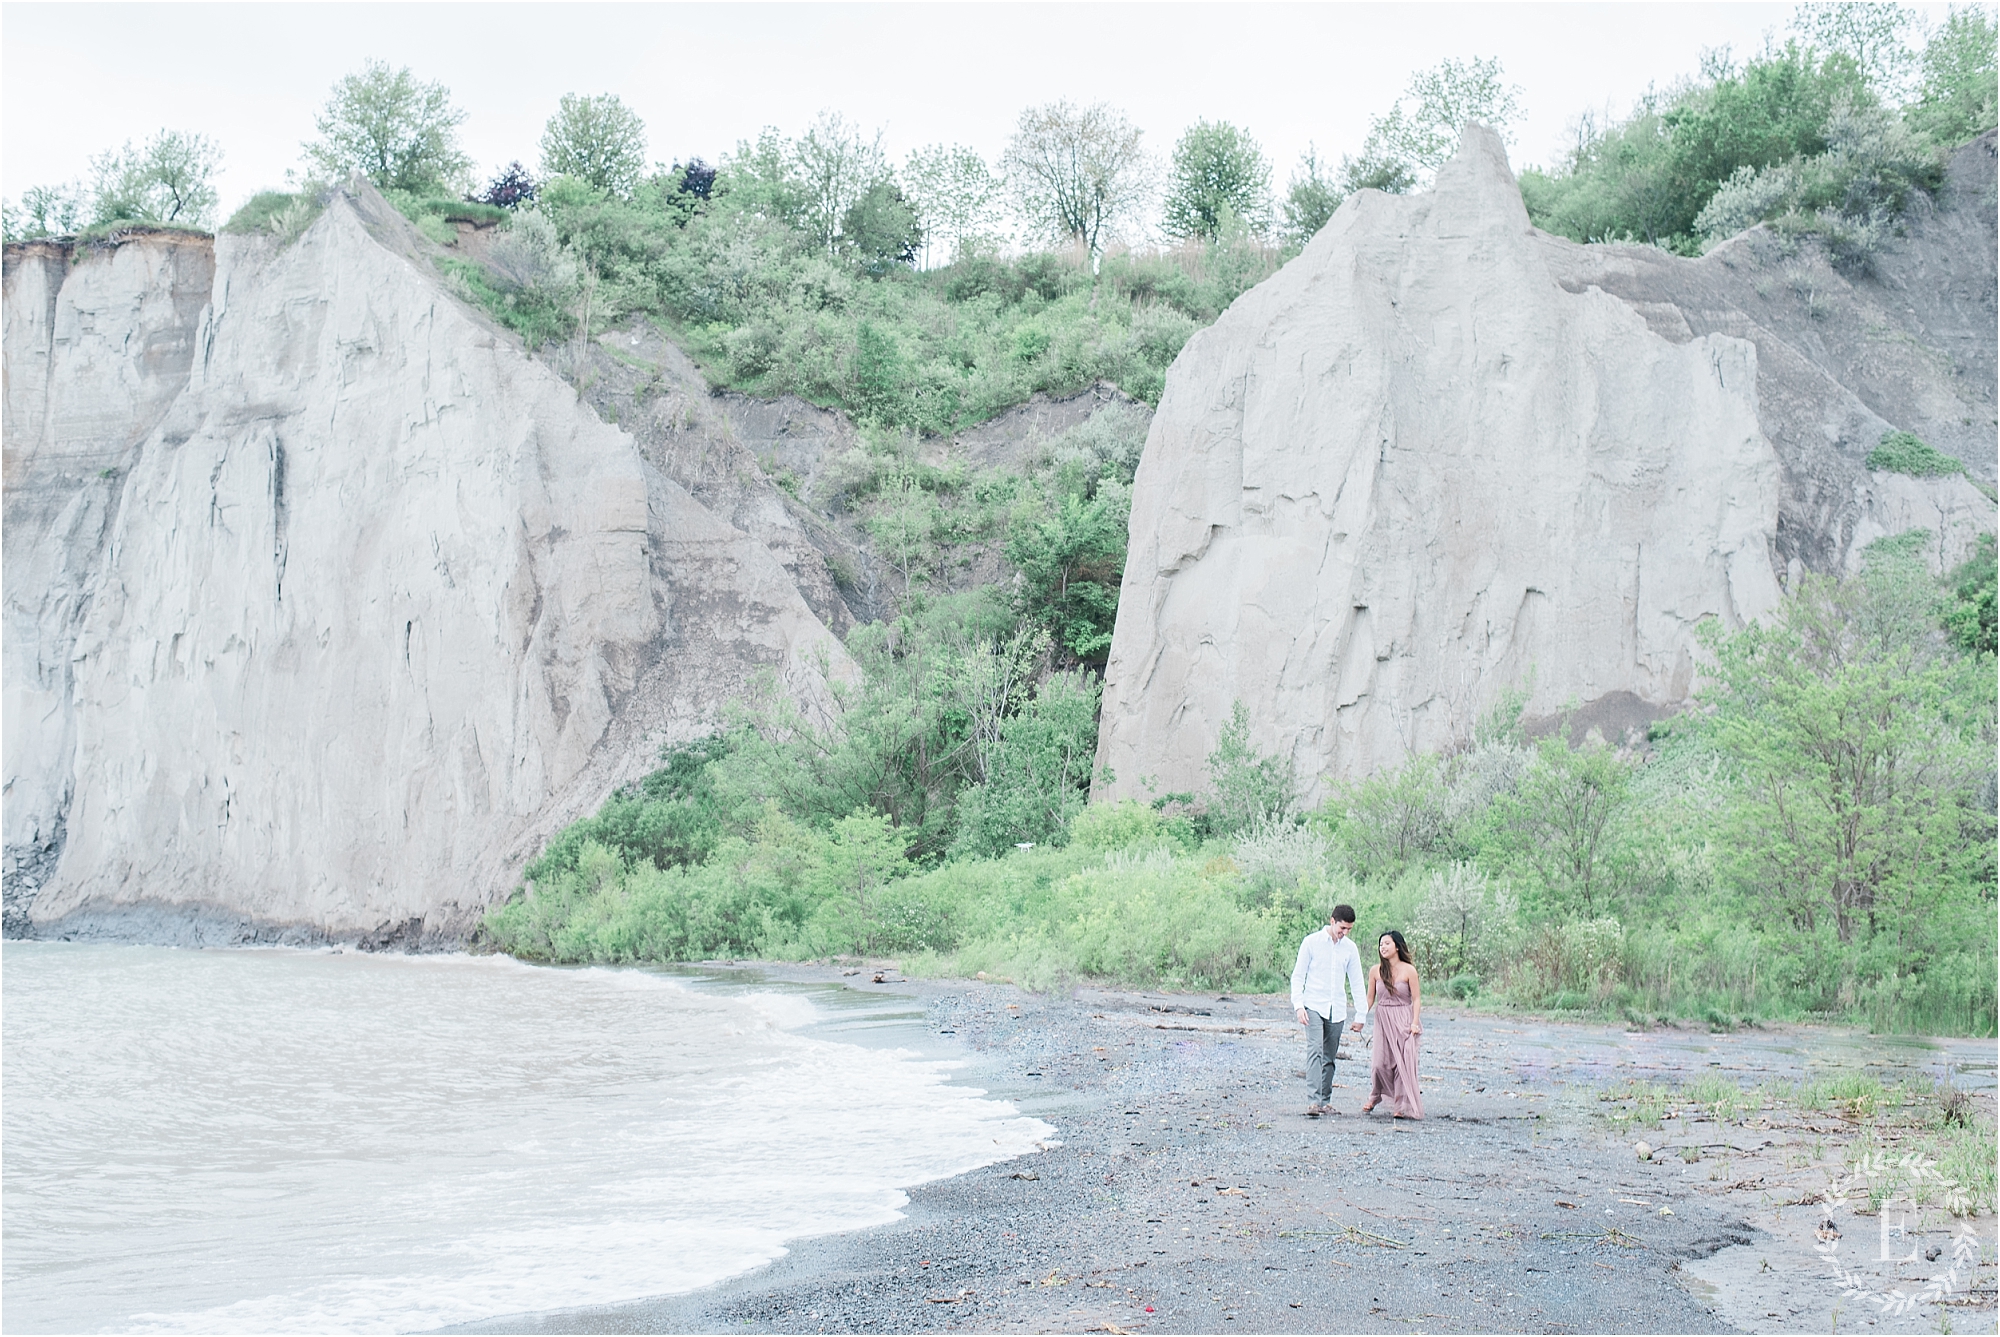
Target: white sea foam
(274, 1141)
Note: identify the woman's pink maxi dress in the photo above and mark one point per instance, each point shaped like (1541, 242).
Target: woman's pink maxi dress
(1394, 1064)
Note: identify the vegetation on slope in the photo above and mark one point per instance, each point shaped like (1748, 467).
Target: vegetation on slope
(1815, 840)
(1829, 133)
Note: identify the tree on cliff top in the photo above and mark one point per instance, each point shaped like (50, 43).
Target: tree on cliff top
(1076, 172)
(43, 211)
(952, 192)
(400, 134)
(834, 165)
(1958, 88)
(1217, 170)
(596, 139)
(1310, 199)
(170, 180)
(1420, 132)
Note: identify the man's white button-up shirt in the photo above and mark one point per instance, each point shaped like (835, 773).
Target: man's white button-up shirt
(1317, 977)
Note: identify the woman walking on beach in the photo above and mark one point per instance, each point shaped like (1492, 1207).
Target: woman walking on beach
(1396, 999)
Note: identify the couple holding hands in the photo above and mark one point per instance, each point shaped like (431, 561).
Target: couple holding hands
(1327, 961)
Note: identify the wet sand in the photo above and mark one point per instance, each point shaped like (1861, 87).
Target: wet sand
(1186, 1190)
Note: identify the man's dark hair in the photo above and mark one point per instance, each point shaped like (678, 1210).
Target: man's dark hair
(1344, 913)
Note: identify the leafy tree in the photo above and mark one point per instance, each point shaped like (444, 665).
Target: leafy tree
(1850, 194)
(45, 211)
(881, 229)
(171, 179)
(761, 179)
(1959, 79)
(902, 743)
(511, 189)
(1875, 36)
(1859, 741)
(1245, 786)
(1076, 173)
(1217, 171)
(1775, 109)
(1038, 776)
(1558, 823)
(1650, 177)
(669, 819)
(1420, 132)
(1310, 199)
(1071, 559)
(399, 133)
(1388, 822)
(597, 139)
(952, 192)
(835, 166)
(695, 178)
(1970, 617)
(1464, 920)
(878, 376)
(1378, 168)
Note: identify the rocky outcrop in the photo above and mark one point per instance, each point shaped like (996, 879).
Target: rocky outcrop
(326, 603)
(1441, 456)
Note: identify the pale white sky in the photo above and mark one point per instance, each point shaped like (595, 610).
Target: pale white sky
(81, 78)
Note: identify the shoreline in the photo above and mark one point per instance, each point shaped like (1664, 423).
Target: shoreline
(1184, 1177)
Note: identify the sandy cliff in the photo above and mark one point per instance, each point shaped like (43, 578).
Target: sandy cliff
(325, 603)
(1441, 456)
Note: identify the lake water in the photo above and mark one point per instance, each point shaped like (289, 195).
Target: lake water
(285, 1141)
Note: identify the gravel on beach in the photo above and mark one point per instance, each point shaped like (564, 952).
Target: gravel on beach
(1186, 1190)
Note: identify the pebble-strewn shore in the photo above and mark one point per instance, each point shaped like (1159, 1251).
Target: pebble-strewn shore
(1189, 1192)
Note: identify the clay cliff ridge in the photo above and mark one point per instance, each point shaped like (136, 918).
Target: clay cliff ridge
(1442, 456)
(325, 603)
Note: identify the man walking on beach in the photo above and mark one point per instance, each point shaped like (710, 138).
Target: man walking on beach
(1326, 961)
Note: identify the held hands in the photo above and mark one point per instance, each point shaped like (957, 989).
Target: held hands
(1356, 1028)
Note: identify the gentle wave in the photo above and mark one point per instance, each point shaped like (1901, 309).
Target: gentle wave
(314, 1141)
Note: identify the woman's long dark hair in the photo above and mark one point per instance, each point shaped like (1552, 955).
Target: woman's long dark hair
(1402, 948)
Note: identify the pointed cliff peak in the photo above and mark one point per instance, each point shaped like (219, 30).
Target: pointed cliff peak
(1476, 190)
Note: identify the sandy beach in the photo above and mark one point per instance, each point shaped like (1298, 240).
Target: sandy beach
(1187, 1191)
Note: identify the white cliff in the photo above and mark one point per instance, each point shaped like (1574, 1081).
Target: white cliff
(349, 618)
(1431, 461)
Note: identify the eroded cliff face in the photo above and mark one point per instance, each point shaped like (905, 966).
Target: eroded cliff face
(1441, 456)
(94, 355)
(361, 604)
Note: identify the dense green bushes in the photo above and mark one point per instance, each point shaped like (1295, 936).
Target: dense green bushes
(1810, 132)
(767, 310)
(1815, 840)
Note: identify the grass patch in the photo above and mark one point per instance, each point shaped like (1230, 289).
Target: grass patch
(1640, 1104)
(444, 209)
(276, 213)
(1907, 453)
(116, 231)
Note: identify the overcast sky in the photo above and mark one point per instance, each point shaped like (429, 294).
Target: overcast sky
(81, 78)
